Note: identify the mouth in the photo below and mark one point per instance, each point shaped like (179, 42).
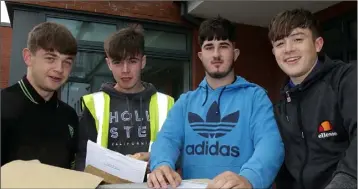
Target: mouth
(292, 60)
(56, 79)
(216, 64)
(126, 78)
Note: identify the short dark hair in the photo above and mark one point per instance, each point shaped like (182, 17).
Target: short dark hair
(216, 28)
(51, 36)
(127, 42)
(285, 22)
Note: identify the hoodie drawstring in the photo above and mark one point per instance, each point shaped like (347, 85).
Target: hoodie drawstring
(140, 111)
(206, 98)
(129, 110)
(206, 95)
(221, 92)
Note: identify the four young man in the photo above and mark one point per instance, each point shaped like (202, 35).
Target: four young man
(225, 130)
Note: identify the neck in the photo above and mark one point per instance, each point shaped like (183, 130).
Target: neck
(215, 83)
(136, 89)
(46, 95)
(300, 79)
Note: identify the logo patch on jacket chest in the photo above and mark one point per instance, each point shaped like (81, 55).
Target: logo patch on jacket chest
(325, 130)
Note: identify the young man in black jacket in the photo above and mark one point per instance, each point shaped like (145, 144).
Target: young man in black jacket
(317, 115)
(35, 124)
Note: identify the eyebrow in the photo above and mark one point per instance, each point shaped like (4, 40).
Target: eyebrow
(298, 33)
(225, 43)
(134, 58)
(50, 53)
(208, 44)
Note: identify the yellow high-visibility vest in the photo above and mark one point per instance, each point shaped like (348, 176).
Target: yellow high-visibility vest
(98, 105)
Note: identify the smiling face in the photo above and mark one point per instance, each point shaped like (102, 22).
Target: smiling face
(218, 57)
(49, 70)
(296, 54)
(49, 56)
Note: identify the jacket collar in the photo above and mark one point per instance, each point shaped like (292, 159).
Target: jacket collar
(30, 93)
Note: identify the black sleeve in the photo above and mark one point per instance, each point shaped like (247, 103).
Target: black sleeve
(284, 178)
(74, 139)
(86, 131)
(4, 135)
(347, 104)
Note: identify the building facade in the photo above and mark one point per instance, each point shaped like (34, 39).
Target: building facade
(171, 30)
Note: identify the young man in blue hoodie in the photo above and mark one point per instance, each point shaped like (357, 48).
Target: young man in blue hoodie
(225, 130)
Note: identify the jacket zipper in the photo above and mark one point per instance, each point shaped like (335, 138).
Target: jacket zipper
(299, 119)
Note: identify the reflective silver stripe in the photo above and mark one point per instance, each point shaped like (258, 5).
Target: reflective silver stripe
(98, 99)
(162, 101)
(150, 146)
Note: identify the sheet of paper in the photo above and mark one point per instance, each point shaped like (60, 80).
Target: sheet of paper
(185, 184)
(192, 184)
(115, 163)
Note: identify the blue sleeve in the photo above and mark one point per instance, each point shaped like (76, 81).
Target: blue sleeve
(263, 166)
(167, 146)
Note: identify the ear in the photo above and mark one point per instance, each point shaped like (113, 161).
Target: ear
(26, 55)
(319, 44)
(108, 61)
(200, 55)
(236, 54)
(144, 61)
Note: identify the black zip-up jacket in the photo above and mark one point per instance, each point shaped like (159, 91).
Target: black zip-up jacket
(318, 123)
(32, 128)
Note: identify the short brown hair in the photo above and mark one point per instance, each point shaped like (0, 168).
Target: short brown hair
(127, 42)
(283, 23)
(52, 37)
(216, 28)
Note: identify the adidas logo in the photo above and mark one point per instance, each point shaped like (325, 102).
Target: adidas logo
(213, 127)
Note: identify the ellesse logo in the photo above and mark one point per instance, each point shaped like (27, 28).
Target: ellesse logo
(325, 130)
(213, 127)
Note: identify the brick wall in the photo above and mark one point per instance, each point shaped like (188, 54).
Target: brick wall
(167, 11)
(5, 51)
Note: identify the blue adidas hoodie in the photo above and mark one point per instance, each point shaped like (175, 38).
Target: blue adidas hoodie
(231, 128)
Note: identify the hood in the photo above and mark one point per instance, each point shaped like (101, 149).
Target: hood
(238, 83)
(143, 95)
(324, 66)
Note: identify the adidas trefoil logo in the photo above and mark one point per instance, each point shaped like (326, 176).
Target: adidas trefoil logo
(214, 126)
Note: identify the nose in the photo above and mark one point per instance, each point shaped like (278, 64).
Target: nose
(289, 47)
(59, 67)
(216, 53)
(125, 67)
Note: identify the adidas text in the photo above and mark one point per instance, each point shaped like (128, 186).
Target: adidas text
(215, 149)
(326, 135)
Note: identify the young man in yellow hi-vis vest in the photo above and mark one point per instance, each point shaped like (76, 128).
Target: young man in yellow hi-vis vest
(124, 116)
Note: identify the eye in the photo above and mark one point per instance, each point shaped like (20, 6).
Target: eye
(279, 44)
(298, 39)
(68, 62)
(133, 61)
(224, 46)
(50, 59)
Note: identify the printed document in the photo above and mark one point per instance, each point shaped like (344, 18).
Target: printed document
(115, 163)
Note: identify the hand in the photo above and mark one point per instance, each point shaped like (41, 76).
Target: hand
(144, 156)
(229, 179)
(163, 175)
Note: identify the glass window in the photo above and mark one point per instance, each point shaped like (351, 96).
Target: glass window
(353, 30)
(165, 40)
(86, 63)
(86, 31)
(168, 76)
